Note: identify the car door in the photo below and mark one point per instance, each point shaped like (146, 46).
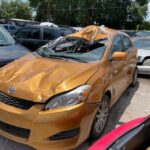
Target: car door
(131, 57)
(21, 36)
(34, 38)
(30, 37)
(119, 68)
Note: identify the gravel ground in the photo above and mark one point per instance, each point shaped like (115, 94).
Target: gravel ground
(133, 104)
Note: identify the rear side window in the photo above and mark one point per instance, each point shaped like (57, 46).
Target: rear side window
(50, 34)
(127, 43)
(22, 33)
(117, 45)
(34, 33)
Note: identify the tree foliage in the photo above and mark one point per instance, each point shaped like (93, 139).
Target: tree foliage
(15, 9)
(114, 13)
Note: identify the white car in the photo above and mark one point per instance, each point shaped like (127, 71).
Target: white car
(143, 46)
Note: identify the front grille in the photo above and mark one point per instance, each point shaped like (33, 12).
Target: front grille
(16, 102)
(16, 131)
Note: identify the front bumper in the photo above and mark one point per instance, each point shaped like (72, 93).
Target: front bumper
(41, 125)
(144, 70)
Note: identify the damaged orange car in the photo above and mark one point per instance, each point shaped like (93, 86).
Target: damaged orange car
(58, 96)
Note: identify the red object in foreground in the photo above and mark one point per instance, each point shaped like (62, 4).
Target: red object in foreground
(111, 137)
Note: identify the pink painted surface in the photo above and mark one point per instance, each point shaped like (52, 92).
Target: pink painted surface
(109, 138)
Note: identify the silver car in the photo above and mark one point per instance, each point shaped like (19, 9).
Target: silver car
(143, 46)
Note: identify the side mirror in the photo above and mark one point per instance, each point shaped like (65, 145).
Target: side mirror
(119, 56)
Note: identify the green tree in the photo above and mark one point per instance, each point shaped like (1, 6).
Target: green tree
(114, 13)
(15, 9)
(137, 12)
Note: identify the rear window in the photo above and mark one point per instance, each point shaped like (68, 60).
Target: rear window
(50, 34)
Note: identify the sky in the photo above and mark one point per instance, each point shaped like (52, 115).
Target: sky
(24, 0)
(147, 18)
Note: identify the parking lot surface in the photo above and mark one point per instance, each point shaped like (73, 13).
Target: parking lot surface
(134, 103)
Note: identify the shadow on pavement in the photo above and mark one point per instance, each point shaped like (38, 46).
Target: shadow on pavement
(115, 114)
(6, 144)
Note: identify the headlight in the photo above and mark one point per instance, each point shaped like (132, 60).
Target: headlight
(71, 98)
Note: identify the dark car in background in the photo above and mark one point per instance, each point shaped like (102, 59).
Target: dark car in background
(9, 49)
(33, 37)
(66, 30)
(132, 34)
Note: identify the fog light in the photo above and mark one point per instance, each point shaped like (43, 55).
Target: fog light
(65, 135)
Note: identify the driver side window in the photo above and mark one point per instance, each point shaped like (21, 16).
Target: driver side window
(22, 33)
(117, 45)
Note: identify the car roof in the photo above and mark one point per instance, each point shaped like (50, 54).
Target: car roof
(38, 26)
(7, 25)
(94, 33)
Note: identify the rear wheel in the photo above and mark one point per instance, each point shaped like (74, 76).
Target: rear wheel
(100, 119)
(135, 76)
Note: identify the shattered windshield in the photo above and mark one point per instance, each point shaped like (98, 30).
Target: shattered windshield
(76, 49)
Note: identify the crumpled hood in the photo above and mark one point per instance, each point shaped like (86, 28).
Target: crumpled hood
(37, 79)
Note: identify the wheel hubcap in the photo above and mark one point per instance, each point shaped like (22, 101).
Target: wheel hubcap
(101, 116)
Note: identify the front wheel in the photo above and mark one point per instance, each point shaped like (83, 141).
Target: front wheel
(100, 119)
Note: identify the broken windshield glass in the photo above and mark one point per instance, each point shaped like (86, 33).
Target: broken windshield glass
(76, 49)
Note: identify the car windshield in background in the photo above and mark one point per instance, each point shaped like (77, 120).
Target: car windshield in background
(76, 49)
(5, 38)
(142, 44)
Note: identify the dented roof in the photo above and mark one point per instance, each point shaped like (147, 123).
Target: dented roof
(93, 33)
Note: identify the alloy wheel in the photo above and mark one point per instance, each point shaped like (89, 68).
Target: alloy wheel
(101, 116)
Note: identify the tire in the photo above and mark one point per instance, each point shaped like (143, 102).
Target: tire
(100, 119)
(134, 80)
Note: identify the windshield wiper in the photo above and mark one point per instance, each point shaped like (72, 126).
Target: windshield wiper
(66, 57)
(42, 53)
